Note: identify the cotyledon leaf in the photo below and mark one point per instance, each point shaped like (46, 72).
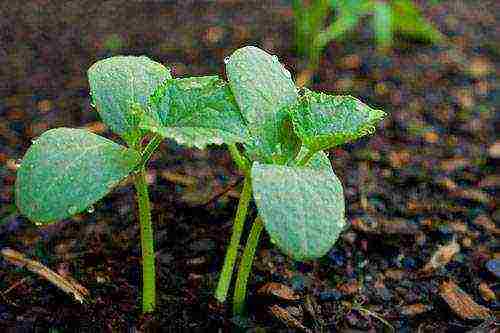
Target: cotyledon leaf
(302, 208)
(120, 83)
(323, 121)
(67, 170)
(262, 87)
(197, 111)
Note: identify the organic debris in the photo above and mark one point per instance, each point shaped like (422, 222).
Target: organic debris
(461, 303)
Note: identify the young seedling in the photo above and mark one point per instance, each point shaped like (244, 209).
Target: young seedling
(67, 170)
(283, 131)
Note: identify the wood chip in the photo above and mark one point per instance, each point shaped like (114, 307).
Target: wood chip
(461, 303)
(486, 293)
(66, 284)
(395, 226)
(413, 310)
(287, 318)
(442, 256)
(278, 290)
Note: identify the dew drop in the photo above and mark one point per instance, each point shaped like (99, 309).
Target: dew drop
(38, 224)
(226, 60)
(91, 209)
(72, 210)
(17, 163)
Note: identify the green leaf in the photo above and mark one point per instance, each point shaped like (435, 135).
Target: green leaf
(324, 121)
(67, 170)
(318, 161)
(408, 19)
(302, 208)
(262, 87)
(290, 142)
(119, 84)
(382, 21)
(197, 111)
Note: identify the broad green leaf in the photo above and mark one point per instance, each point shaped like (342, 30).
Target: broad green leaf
(324, 121)
(120, 86)
(262, 87)
(67, 170)
(196, 112)
(302, 208)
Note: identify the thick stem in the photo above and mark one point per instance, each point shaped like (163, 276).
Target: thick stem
(240, 290)
(232, 251)
(150, 150)
(239, 159)
(147, 246)
(306, 158)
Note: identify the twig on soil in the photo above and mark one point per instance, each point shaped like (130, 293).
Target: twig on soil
(67, 285)
(13, 286)
(216, 196)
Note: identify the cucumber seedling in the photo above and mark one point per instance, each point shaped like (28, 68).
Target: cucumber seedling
(283, 132)
(66, 170)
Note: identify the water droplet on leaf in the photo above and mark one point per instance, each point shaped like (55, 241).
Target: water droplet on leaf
(17, 163)
(91, 209)
(72, 210)
(226, 60)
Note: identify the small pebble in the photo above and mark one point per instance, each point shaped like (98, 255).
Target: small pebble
(493, 266)
(331, 295)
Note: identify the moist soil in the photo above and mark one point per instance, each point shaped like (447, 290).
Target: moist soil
(421, 192)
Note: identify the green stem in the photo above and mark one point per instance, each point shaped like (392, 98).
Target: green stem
(240, 290)
(232, 251)
(150, 149)
(147, 246)
(306, 158)
(239, 159)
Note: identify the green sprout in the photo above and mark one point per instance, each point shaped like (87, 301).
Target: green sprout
(282, 130)
(299, 199)
(67, 170)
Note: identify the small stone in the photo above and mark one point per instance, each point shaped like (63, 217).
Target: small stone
(331, 295)
(493, 266)
(202, 246)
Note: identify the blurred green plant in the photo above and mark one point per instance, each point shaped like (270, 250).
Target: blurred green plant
(313, 31)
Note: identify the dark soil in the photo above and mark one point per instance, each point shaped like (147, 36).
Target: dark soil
(426, 178)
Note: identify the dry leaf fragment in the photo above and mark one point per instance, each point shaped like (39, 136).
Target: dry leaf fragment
(461, 303)
(278, 290)
(413, 310)
(69, 286)
(442, 256)
(287, 318)
(486, 292)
